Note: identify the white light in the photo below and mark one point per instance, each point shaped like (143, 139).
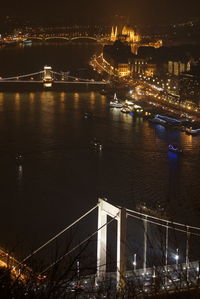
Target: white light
(176, 257)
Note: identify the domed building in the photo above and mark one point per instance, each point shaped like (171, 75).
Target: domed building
(130, 35)
(127, 34)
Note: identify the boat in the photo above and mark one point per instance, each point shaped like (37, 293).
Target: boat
(126, 109)
(173, 148)
(137, 109)
(10, 42)
(193, 132)
(88, 115)
(167, 119)
(103, 92)
(115, 103)
(27, 41)
(127, 102)
(19, 159)
(97, 145)
(156, 120)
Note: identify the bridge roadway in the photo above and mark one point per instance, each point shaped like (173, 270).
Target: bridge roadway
(48, 77)
(9, 262)
(67, 37)
(163, 278)
(166, 277)
(55, 82)
(160, 279)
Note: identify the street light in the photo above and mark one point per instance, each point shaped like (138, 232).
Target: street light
(78, 269)
(134, 262)
(177, 257)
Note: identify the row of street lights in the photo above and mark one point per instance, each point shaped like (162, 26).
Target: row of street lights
(176, 257)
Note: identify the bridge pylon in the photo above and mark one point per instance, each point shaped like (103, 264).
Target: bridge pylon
(106, 209)
(47, 76)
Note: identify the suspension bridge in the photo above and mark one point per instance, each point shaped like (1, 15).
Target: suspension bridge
(47, 77)
(176, 264)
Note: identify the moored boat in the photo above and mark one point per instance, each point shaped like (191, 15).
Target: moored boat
(156, 120)
(27, 41)
(115, 103)
(192, 132)
(126, 109)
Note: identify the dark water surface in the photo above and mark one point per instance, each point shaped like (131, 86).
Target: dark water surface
(61, 177)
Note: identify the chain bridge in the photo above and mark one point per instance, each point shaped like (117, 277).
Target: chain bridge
(48, 77)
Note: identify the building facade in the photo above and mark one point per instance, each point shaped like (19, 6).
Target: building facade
(117, 56)
(175, 68)
(189, 87)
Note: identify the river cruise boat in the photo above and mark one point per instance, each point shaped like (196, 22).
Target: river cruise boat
(115, 102)
(126, 109)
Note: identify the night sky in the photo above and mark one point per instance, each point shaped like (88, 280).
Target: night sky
(93, 11)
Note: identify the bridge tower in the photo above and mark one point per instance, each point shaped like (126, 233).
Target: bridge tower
(106, 209)
(47, 76)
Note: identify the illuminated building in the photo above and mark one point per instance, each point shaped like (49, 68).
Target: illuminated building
(117, 57)
(175, 68)
(127, 34)
(143, 66)
(130, 35)
(145, 62)
(189, 86)
(123, 69)
(114, 34)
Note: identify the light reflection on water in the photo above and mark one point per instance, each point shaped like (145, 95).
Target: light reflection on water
(61, 176)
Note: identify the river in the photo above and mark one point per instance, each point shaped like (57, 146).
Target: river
(60, 176)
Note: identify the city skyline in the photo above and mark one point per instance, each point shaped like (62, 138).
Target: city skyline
(90, 12)
(100, 149)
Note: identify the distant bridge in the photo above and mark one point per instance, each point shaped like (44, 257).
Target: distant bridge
(67, 37)
(47, 77)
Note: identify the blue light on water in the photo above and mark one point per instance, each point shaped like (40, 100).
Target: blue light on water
(160, 132)
(172, 157)
(160, 128)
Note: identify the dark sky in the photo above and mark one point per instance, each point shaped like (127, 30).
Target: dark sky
(87, 11)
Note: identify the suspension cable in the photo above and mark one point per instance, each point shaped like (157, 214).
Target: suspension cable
(163, 225)
(77, 246)
(22, 76)
(72, 77)
(163, 220)
(56, 236)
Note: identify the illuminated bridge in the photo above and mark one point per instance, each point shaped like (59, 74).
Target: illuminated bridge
(68, 37)
(170, 244)
(47, 77)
